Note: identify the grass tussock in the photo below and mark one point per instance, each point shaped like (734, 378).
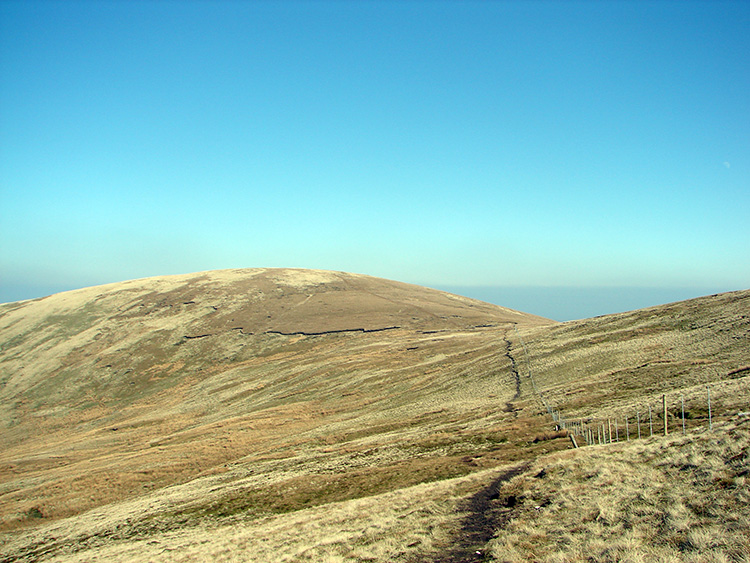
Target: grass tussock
(666, 499)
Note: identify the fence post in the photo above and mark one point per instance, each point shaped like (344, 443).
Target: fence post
(664, 404)
(682, 396)
(650, 421)
(617, 432)
(710, 424)
(627, 430)
(638, 414)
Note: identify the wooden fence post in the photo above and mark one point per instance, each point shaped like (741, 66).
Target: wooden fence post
(617, 432)
(573, 439)
(638, 414)
(650, 421)
(682, 396)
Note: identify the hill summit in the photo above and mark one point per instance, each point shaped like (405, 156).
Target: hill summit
(275, 300)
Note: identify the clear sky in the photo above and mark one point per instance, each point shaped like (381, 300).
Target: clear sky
(451, 144)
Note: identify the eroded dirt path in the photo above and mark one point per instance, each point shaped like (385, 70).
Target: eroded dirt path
(486, 512)
(513, 367)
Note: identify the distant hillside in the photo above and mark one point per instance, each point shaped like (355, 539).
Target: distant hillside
(122, 340)
(130, 364)
(297, 415)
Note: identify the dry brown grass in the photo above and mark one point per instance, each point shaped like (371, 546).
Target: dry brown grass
(664, 499)
(394, 526)
(396, 418)
(124, 440)
(615, 365)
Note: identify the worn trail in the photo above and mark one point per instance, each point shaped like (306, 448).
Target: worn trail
(513, 367)
(486, 512)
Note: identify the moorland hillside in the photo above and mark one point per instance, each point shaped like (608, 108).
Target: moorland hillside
(298, 415)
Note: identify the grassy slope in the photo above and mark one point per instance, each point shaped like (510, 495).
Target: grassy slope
(616, 365)
(681, 498)
(287, 425)
(105, 400)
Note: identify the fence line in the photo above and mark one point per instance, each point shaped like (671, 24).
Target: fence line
(600, 430)
(550, 411)
(595, 430)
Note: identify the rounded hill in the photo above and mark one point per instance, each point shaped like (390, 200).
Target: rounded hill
(112, 340)
(287, 301)
(122, 387)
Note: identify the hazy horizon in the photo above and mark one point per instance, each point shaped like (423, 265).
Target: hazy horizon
(556, 303)
(574, 303)
(447, 144)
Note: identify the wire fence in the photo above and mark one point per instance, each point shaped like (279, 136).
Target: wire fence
(644, 420)
(675, 412)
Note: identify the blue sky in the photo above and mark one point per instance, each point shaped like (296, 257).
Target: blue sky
(451, 144)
